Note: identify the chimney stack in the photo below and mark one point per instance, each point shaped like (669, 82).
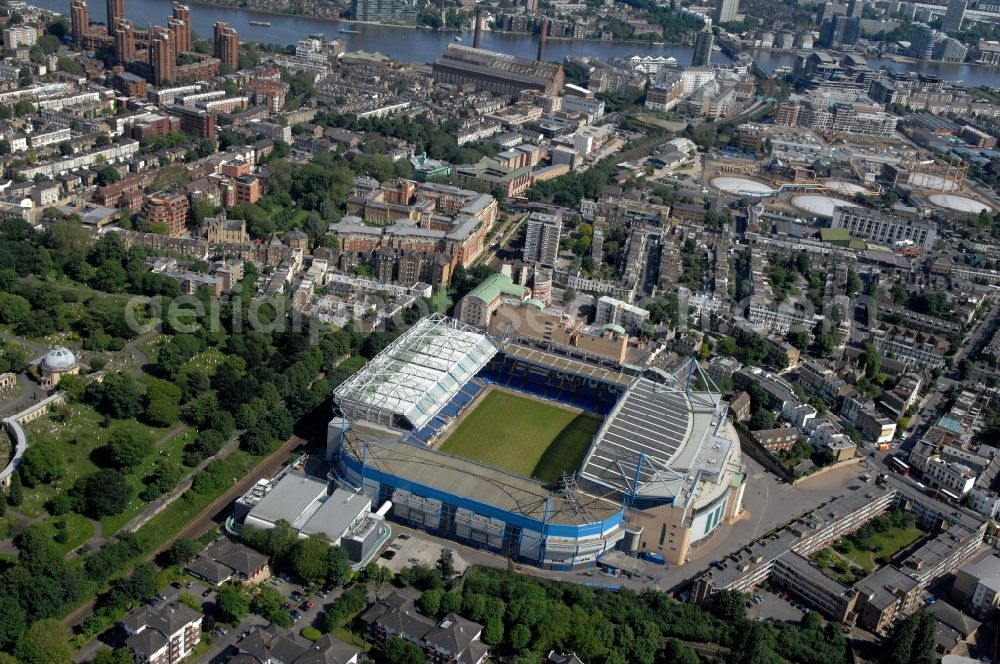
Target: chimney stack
(542, 36)
(478, 38)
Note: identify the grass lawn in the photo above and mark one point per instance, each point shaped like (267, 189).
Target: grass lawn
(180, 512)
(173, 449)
(353, 363)
(78, 530)
(151, 346)
(889, 543)
(76, 437)
(346, 636)
(206, 362)
(526, 436)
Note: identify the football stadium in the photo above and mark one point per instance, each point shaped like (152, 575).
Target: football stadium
(545, 458)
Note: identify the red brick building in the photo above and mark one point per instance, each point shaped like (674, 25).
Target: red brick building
(168, 209)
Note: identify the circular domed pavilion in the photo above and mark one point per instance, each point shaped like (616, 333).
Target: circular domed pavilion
(58, 362)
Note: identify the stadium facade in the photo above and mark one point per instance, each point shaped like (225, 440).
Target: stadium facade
(663, 472)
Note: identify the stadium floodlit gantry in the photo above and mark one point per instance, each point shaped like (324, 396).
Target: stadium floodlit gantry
(406, 384)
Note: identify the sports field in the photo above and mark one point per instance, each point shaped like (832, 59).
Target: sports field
(523, 435)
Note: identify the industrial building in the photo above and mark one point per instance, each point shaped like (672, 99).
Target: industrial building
(496, 72)
(306, 503)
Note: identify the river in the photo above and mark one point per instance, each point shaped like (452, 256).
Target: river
(412, 45)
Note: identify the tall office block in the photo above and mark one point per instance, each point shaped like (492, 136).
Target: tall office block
(116, 10)
(726, 11)
(703, 44)
(840, 31)
(924, 40)
(79, 16)
(161, 56)
(180, 27)
(541, 238)
(953, 18)
(227, 45)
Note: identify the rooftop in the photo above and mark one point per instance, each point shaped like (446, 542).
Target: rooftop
(496, 285)
(406, 384)
(651, 443)
(489, 487)
(289, 499)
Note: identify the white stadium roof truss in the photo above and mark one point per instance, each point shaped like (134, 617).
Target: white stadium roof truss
(416, 375)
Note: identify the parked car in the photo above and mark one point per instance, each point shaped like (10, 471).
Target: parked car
(296, 616)
(388, 555)
(306, 605)
(296, 596)
(207, 593)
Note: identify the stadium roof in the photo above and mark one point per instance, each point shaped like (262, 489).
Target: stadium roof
(474, 481)
(569, 365)
(405, 385)
(656, 442)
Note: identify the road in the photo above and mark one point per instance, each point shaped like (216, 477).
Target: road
(509, 231)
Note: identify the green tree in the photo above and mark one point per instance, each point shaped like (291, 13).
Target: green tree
(42, 464)
(162, 403)
(401, 651)
(338, 566)
(13, 308)
(308, 559)
(107, 175)
(762, 420)
(103, 493)
(183, 551)
(445, 564)
(676, 652)
(377, 576)
(430, 602)
(16, 494)
(270, 604)
(569, 295)
(117, 396)
(128, 448)
(520, 637)
(853, 283)
(451, 602)
(116, 656)
(47, 641)
(493, 631)
(232, 604)
(728, 605)
(13, 621)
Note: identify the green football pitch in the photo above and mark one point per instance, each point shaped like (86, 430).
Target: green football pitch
(523, 435)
